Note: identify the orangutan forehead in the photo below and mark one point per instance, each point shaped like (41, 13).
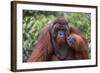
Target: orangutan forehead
(59, 26)
(61, 21)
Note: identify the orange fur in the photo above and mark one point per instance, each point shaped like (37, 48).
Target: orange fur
(79, 45)
(43, 47)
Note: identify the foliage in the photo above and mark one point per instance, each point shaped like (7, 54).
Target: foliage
(34, 21)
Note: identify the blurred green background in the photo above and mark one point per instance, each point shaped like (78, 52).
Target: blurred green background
(34, 21)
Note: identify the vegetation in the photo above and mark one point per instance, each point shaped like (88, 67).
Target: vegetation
(34, 21)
